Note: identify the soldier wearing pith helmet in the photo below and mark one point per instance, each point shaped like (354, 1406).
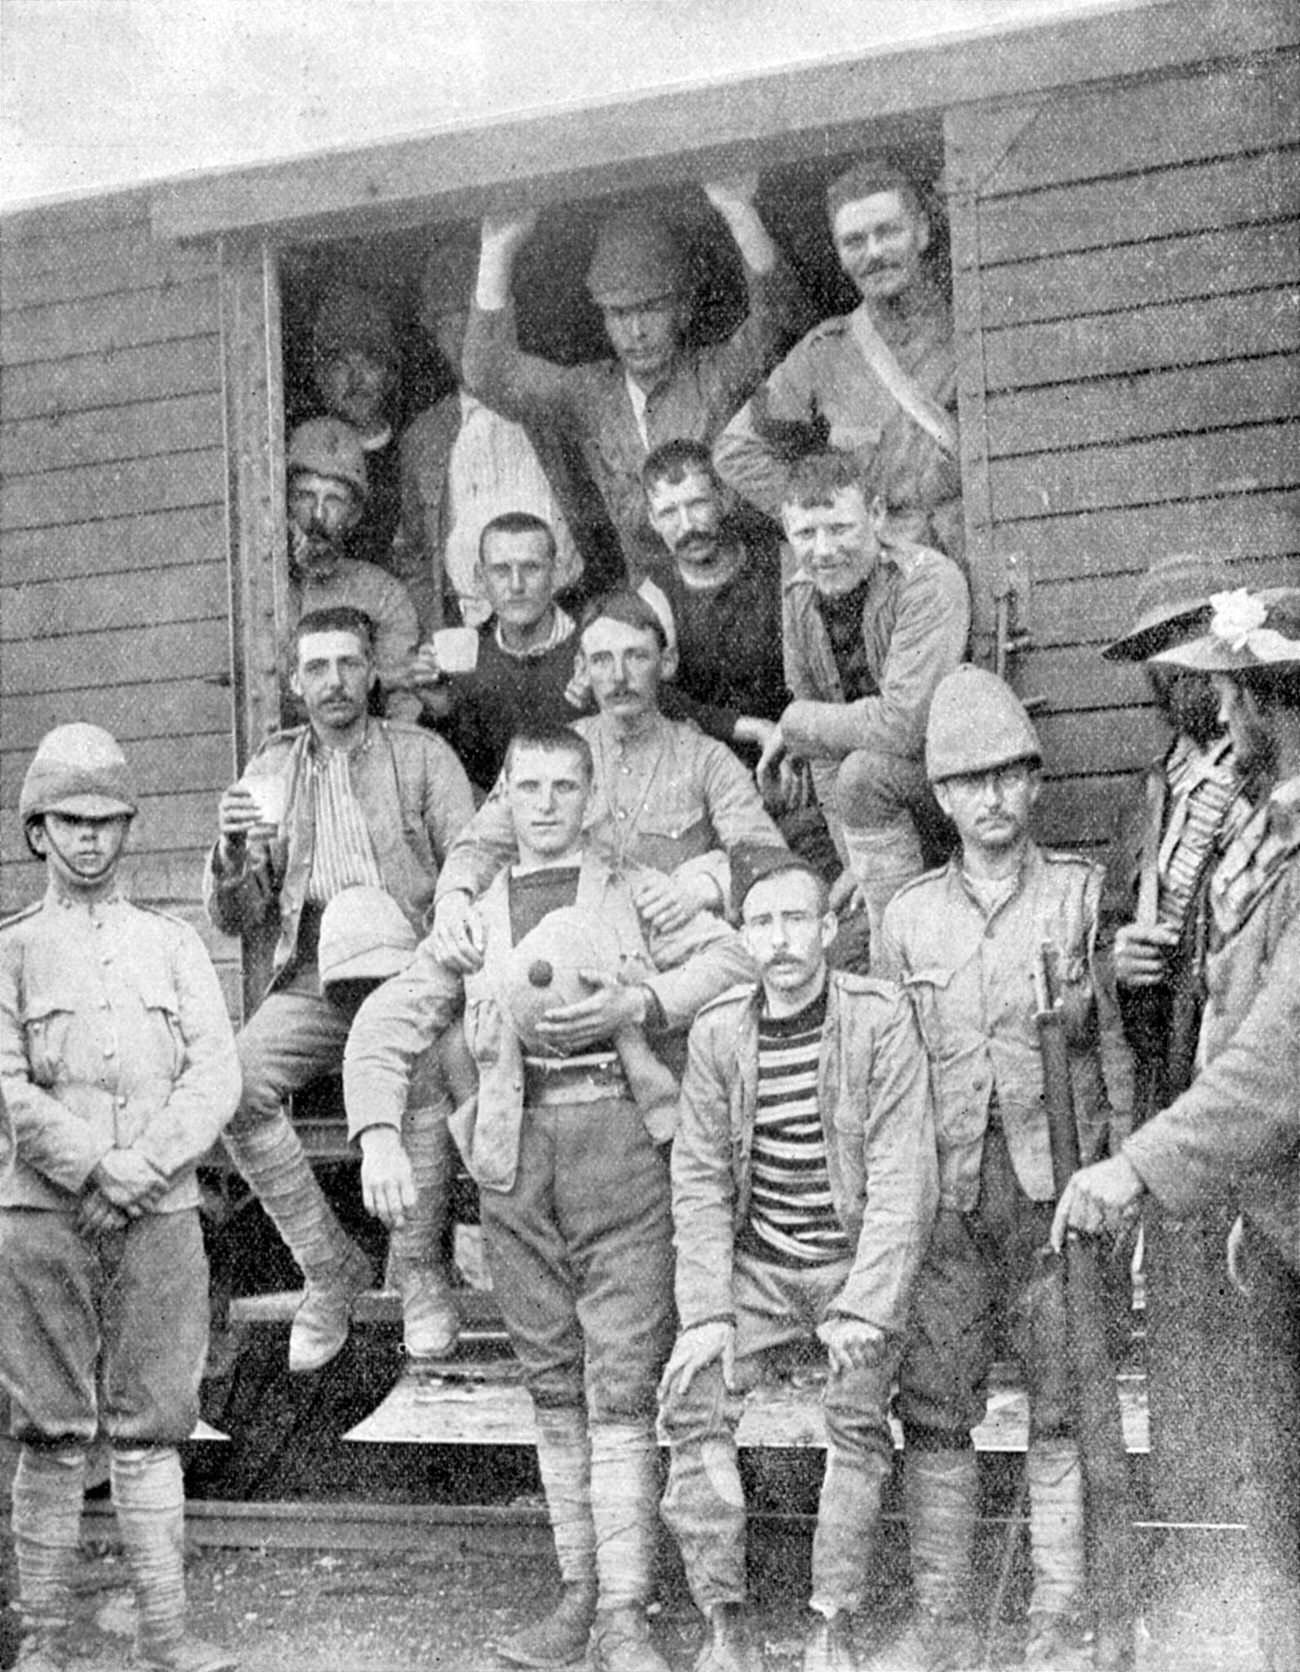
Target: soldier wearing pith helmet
(965, 941)
(117, 1073)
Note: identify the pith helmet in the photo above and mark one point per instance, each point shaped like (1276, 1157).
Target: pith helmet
(976, 723)
(1247, 630)
(329, 447)
(1173, 603)
(80, 770)
(637, 257)
(364, 936)
(543, 970)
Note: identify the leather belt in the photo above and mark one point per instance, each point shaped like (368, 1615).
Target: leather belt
(585, 1080)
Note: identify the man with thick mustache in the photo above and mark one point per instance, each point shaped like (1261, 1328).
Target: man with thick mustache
(879, 383)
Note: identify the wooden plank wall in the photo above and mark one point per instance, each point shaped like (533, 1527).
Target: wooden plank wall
(114, 581)
(1128, 302)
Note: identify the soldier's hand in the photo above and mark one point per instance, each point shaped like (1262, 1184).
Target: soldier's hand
(506, 234)
(607, 1008)
(456, 938)
(696, 1349)
(1103, 1197)
(850, 1343)
(1141, 953)
(669, 903)
(732, 190)
(387, 1177)
(239, 816)
(846, 895)
(96, 1213)
(128, 1181)
(766, 772)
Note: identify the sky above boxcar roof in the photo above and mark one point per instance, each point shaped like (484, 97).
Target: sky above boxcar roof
(98, 94)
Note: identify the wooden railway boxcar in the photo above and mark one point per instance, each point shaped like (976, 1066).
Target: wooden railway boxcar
(1121, 191)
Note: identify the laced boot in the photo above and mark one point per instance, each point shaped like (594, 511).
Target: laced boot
(620, 1642)
(271, 1157)
(729, 1648)
(828, 1644)
(561, 1637)
(187, 1654)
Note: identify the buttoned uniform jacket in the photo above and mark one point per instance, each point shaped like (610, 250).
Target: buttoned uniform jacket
(873, 1094)
(113, 1035)
(1234, 1134)
(415, 800)
(425, 528)
(825, 382)
(698, 804)
(365, 586)
(591, 402)
(971, 980)
(683, 971)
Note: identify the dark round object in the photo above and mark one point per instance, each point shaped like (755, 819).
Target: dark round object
(540, 973)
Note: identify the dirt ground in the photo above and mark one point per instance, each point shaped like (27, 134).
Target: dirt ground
(438, 1608)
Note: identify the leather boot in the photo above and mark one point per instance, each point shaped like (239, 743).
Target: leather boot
(620, 1642)
(271, 1158)
(730, 1647)
(561, 1637)
(828, 1644)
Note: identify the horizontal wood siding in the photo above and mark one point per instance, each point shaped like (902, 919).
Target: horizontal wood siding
(1128, 286)
(114, 583)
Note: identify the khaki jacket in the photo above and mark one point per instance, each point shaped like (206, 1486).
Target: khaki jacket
(113, 1035)
(401, 1019)
(971, 979)
(873, 1092)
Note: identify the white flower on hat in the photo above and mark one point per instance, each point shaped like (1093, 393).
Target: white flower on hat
(1239, 622)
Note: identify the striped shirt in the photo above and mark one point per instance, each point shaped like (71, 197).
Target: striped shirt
(343, 855)
(1206, 811)
(792, 1219)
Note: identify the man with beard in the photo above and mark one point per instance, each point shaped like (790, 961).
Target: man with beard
(1170, 836)
(879, 383)
(1233, 1136)
(361, 803)
(656, 384)
(327, 486)
(723, 586)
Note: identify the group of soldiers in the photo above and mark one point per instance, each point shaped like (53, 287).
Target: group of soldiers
(518, 887)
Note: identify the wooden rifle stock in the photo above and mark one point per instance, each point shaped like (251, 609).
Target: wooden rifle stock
(1097, 1407)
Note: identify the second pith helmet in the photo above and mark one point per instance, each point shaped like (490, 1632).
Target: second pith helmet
(637, 257)
(976, 723)
(329, 447)
(80, 770)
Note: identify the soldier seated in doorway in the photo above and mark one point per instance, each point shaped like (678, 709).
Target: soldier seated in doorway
(342, 802)
(572, 1167)
(869, 630)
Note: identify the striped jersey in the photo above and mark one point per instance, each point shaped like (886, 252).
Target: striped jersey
(792, 1219)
